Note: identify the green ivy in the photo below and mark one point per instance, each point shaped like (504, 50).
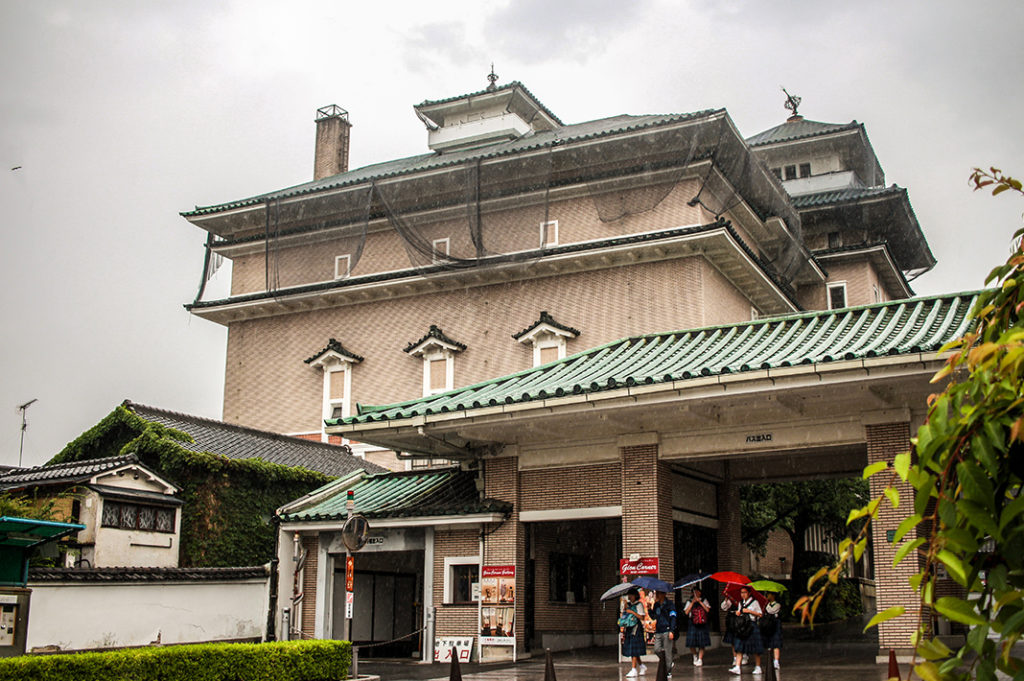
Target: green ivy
(293, 660)
(228, 503)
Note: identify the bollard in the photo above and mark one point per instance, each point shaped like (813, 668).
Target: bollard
(662, 674)
(549, 666)
(455, 673)
(768, 664)
(894, 667)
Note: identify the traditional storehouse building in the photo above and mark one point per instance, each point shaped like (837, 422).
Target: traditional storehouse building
(607, 327)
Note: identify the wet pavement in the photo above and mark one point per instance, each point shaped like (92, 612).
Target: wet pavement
(836, 654)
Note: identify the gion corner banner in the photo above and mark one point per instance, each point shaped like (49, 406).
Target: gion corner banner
(640, 566)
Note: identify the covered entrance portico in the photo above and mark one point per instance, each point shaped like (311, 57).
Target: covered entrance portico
(667, 427)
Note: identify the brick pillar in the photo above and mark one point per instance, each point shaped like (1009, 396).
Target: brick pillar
(884, 442)
(507, 544)
(647, 507)
(730, 544)
(311, 545)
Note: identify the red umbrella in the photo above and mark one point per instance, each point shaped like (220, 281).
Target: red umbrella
(732, 592)
(730, 577)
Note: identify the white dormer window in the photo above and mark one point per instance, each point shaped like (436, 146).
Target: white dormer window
(441, 250)
(549, 233)
(438, 354)
(336, 364)
(548, 338)
(342, 266)
(837, 295)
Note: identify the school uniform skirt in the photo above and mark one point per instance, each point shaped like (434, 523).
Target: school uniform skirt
(751, 644)
(775, 640)
(633, 644)
(698, 636)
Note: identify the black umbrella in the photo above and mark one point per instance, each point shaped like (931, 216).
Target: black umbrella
(692, 579)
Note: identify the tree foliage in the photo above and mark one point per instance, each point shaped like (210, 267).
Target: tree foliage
(966, 469)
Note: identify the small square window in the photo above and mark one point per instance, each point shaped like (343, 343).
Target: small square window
(438, 375)
(129, 516)
(548, 354)
(790, 172)
(464, 577)
(111, 514)
(147, 517)
(805, 170)
(342, 266)
(164, 520)
(442, 249)
(836, 296)
(549, 233)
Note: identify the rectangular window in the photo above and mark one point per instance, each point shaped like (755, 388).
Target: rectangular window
(805, 170)
(836, 296)
(790, 172)
(442, 249)
(464, 578)
(438, 375)
(342, 266)
(549, 233)
(568, 578)
(337, 379)
(548, 354)
(137, 517)
(876, 293)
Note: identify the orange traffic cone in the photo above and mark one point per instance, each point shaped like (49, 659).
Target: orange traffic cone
(894, 667)
(549, 666)
(455, 674)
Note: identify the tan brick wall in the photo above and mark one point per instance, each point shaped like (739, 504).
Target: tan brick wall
(453, 620)
(505, 544)
(859, 275)
(647, 507)
(268, 386)
(311, 544)
(721, 301)
(505, 231)
(885, 441)
(578, 487)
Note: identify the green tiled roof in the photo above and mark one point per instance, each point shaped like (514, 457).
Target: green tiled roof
(515, 84)
(842, 195)
(798, 129)
(447, 491)
(894, 328)
(540, 140)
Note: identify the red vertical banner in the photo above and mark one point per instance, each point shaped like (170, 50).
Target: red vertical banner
(350, 573)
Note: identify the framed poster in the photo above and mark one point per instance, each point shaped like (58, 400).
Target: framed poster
(497, 610)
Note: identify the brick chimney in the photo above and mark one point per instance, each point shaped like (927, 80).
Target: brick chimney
(332, 133)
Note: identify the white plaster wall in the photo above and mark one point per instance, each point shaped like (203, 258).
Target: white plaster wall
(83, 616)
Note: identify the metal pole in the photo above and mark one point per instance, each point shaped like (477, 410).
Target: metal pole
(24, 425)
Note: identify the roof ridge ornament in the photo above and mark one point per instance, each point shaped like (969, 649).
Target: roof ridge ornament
(492, 79)
(791, 103)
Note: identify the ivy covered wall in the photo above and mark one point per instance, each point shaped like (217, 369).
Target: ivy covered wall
(228, 503)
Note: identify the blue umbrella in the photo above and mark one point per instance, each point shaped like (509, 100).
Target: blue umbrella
(692, 579)
(652, 584)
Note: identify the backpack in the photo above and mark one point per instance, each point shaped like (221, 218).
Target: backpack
(628, 620)
(698, 614)
(744, 627)
(767, 624)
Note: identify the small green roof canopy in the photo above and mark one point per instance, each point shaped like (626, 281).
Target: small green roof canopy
(18, 536)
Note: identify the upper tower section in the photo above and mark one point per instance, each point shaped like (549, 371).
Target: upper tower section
(496, 114)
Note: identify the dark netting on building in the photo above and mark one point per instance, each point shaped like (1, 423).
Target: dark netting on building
(490, 205)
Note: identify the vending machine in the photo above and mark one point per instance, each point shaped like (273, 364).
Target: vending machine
(14, 603)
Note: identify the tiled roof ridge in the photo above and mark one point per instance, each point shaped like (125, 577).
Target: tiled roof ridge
(834, 196)
(370, 410)
(436, 333)
(132, 406)
(764, 137)
(440, 470)
(545, 318)
(337, 347)
(113, 461)
(557, 140)
(511, 85)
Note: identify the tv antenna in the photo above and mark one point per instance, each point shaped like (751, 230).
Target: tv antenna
(24, 425)
(791, 103)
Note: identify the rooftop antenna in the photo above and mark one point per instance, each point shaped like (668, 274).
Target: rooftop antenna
(24, 425)
(492, 78)
(791, 103)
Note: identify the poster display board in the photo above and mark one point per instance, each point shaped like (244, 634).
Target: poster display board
(633, 567)
(497, 607)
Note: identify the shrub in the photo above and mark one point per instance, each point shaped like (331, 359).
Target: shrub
(292, 660)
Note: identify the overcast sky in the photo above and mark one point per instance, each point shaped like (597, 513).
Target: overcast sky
(119, 115)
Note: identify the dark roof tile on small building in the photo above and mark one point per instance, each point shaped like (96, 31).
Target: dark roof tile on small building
(239, 442)
(436, 334)
(545, 318)
(334, 345)
(798, 129)
(70, 472)
(838, 196)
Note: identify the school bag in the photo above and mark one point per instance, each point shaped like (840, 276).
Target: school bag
(698, 614)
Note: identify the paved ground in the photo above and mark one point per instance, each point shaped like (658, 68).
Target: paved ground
(836, 654)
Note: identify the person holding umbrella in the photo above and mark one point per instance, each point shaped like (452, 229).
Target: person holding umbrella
(632, 627)
(747, 638)
(698, 635)
(774, 639)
